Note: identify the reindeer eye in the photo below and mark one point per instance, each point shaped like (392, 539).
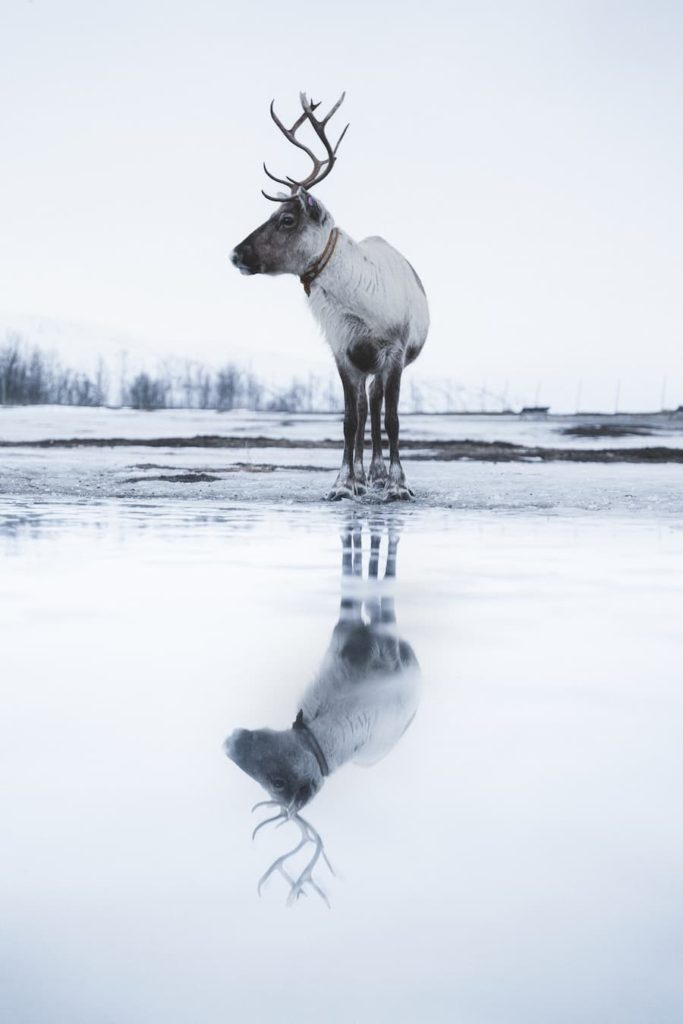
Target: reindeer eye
(287, 220)
(278, 783)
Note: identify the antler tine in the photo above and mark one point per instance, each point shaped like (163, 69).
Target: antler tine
(267, 821)
(334, 109)
(289, 133)
(334, 151)
(279, 864)
(280, 181)
(266, 803)
(277, 199)
(290, 183)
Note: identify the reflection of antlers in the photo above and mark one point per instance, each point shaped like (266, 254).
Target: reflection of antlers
(308, 835)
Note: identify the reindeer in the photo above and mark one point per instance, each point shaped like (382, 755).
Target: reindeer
(361, 702)
(367, 298)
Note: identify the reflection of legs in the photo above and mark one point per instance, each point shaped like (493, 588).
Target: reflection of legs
(362, 414)
(375, 541)
(390, 571)
(358, 548)
(388, 609)
(347, 550)
(373, 606)
(377, 607)
(396, 485)
(350, 607)
(377, 473)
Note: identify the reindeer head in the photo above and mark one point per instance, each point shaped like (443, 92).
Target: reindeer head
(291, 241)
(284, 762)
(291, 766)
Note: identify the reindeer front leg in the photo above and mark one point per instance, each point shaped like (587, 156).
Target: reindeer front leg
(359, 444)
(377, 474)
(346, 485)
(396, 487)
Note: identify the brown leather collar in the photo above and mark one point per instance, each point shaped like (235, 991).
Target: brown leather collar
(309, 277)
(304, 731)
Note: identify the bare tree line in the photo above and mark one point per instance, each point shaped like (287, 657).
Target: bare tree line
(196, 386)
(31, 376)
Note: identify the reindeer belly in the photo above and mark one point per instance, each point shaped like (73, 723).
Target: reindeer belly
(363, 355)
(368, 351)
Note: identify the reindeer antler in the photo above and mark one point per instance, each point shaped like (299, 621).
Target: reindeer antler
(321, 168)
(308, 835)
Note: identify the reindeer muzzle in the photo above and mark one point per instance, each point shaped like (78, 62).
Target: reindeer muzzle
(236, 744)
(244, 258)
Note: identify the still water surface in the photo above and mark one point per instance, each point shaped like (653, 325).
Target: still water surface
(509, 851)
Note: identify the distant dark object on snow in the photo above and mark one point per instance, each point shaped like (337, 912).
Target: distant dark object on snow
(606, 430)
(535, 410)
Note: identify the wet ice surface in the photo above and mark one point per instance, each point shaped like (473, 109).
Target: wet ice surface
(515, 856)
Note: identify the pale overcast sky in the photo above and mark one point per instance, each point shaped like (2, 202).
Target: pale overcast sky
(526, 157)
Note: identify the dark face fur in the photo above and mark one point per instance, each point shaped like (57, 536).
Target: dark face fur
(279, 761)
(289, 242)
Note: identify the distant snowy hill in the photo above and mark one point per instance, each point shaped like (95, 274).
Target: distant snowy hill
(81, 345)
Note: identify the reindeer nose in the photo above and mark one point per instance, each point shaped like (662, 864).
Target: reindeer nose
(232, 742)
(242, 257)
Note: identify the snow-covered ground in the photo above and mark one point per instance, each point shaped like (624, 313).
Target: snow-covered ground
(37, 423)
(198, 478)
(300, 465)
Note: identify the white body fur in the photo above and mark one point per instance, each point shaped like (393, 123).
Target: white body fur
(358, 713)
(373, 283)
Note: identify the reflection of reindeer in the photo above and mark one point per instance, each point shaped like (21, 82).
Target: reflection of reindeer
(362, 700)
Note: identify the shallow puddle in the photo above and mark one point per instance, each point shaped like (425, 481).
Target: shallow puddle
(508, 850)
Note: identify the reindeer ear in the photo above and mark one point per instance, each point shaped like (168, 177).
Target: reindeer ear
(298, 722)
(311, 206)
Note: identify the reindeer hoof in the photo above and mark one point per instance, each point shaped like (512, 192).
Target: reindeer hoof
(398, 492)
(349, 489)
(377, 474)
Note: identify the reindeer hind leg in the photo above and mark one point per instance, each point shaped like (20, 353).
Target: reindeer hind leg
(396, 487)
